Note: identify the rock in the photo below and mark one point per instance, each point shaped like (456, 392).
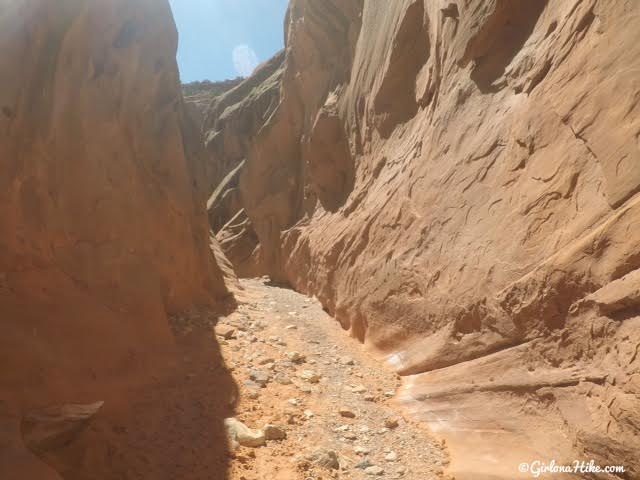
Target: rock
(327, 459)
(265, 360)
(225, 331)
(364, 464)
(346, 412)
(369, 398)
(239, 433)
(260, 377)
(282, 379)
(358, 389)
(350, 436)
(295, 357)
(308, 413)
(273, 432)
(309, 376)
(389, 394)
(291, 327)
(305, 388)
(360, 450)
(295, 402)
(53, 427)
(374, 470)
(346, 361)
(391, 423)
(98, 157)
(391, 457)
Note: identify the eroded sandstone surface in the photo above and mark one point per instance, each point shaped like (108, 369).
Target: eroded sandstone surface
(103, 234)
(457, 182)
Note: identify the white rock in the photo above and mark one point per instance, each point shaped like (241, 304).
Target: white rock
(391, 457)
(309, 376)
(295, 357)
(374, 470)
(360, 450)
(239, 433)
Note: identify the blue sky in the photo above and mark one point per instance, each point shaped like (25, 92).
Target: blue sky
(222, 39)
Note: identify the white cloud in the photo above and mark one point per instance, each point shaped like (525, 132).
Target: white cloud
(244, 59)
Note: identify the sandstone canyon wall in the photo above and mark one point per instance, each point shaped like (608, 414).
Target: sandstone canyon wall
(457, 182)
(103, 230)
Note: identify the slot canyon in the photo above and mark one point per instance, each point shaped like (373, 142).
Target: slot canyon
(402, 248)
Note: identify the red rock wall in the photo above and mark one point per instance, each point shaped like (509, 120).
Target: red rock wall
(455, 181)
(103, 230)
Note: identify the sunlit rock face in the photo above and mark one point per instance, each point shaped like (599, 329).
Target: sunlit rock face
(103, 230)
(457, 183)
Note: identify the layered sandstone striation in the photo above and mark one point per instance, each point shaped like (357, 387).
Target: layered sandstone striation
(103, 230)
(458, 183)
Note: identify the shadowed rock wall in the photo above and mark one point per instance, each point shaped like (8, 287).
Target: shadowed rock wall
(103, 230)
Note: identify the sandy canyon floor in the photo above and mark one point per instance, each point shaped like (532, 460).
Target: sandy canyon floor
(296, 369)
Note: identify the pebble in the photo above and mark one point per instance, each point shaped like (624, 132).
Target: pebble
(295, 402)
(273, 432)
(346, 412)
(347, 361)
(326, 459)
(309, 376)
(225, 331)
(360, 450)
(364, 464)
(374, 470)
(239, 433)
(295, 357)
(282, 379)
(305, 388)
(260, 377)
(291, 327)
(391, 423)
(391, 457)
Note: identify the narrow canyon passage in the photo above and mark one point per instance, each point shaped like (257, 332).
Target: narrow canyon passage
(296, 369)
(456, 183)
